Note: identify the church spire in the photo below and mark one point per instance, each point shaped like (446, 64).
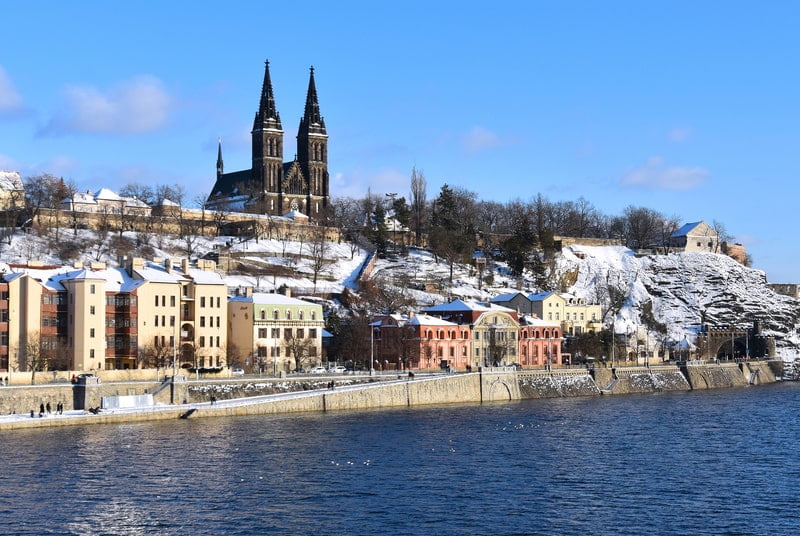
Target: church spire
(220, 168)
(312, 121)
(267, 115)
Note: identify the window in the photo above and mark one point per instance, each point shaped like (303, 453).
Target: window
(91, 333)
(202, 301)
(452, 352)
(312, 333)
(156, 320)
(288, 314)
(276, 333)
(219, 324)
(202, 341)
(217, 341)
(91, 309)
(92, 288)
(172, 301)
(91, 353)
(172, 321)
(287, 333)
(263, 314)
(262, 333)
(217, 301)
(163, 320)
(4, 338)
(300, 333)
(156, 301)
(300, 315)
(163, 301)
(171, 340)
(275, 314)
(202, 321)
(3, 315)
(313, 315)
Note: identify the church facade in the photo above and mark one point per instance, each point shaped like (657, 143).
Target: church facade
(272, 186)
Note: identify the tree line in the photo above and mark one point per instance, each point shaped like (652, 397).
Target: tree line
(456, 223)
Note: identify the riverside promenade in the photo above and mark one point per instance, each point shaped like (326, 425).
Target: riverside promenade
(177, 399)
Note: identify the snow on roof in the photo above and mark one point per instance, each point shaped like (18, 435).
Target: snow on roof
(205, 277)
(10, 181)
(82, 197)
(264, 298)
(457, 305)
(169, 203)
(529, 320)
(107, 195)
(155, 274)
(428, 320)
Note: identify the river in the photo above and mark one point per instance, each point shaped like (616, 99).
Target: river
(710, 462)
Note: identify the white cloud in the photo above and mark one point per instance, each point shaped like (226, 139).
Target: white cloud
(10, 100)
(479, 138)
(137, 106)
(657, 175)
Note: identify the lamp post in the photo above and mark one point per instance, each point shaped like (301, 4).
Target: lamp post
(371, 346)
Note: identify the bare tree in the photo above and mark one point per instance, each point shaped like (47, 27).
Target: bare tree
(418, 203)
(298, 347)
(318, 252)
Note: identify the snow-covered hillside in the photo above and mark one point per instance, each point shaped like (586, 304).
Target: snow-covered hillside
(683, 288)
(680, 288)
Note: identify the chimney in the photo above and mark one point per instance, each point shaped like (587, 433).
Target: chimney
(185, 265)
(287, 292)
(168, 265)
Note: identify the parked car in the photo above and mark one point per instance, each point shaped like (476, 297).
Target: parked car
(337, 370)
(237, 372)
(318, 370)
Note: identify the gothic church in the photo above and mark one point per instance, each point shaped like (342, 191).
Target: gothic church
(273, 186)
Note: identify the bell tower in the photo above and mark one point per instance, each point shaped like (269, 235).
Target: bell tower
(312, 152)
(267, 171)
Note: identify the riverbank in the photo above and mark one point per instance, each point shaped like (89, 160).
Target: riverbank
(177, 398)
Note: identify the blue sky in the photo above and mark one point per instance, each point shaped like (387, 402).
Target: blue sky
(689, 108)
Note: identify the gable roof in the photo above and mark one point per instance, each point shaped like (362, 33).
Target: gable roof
(689, 227)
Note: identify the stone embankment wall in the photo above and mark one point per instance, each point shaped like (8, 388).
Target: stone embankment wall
(714, 376)
(558, 383)
(373, 393)
(649, 380)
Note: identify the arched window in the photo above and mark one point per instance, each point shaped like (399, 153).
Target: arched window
(313, 315)
(263, 314)
(300, 315)
(288, 314)
(275, 314)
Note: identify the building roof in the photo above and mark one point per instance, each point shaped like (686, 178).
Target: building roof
(428, 320)
(264, 298)
(539, 296)
(689, 227)
(507, 297)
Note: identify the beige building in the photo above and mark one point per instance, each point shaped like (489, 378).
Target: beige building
(140, 315)
(275, 333)
(697, 236)
(572, 313)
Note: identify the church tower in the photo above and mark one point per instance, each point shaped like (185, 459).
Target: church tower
(312, 153)
(267, 171)
(272, 186)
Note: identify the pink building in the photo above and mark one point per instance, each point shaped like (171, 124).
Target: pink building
(539, 342)
(421, 342)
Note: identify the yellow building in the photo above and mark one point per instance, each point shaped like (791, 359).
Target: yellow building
(274, 332)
